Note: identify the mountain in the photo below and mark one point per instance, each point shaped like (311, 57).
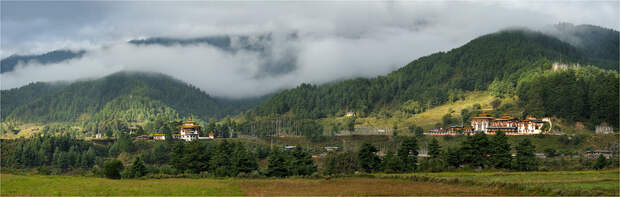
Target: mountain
(8, 64)
(600, 44)
(275, 62)
(506, 56)
(124, 96)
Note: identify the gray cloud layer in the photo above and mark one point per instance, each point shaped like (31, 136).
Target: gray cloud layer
(335, 40)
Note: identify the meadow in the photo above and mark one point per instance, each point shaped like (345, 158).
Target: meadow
(572, 183)
(444, 183)
(90, 186)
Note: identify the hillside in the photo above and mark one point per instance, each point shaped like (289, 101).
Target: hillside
(505, 57)
(8, 64)
(124, 96)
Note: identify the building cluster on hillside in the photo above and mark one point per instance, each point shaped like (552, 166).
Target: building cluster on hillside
(490, 125)
(188, 131)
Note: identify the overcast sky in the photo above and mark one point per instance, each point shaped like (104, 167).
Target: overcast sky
(335, 40)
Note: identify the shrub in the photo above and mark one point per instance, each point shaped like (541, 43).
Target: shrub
(112, 169)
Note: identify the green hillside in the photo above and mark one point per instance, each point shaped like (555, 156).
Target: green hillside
(124, 96)
(505, 57)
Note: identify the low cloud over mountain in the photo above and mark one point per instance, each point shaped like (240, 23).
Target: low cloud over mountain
(262, 47)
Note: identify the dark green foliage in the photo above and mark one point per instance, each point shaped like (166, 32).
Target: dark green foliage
(501, 89)
(431, 80)
(454, 157)
(392, 163)
(112, 169)
(475, 150)
(408, 153)
(221, 162)
(500, 151)
(138, 169)
(177, 158)
(124, 97)
(550, 152)
(196, 156)
(242, 160)
(312, 130)
(301, 162)
(277, 166)
(62, 152)
(124, 143)
(368, 159)
(16, 97)
(600, 163)
(585, 93)
(434, 150)
(341, 163)
(525, 159)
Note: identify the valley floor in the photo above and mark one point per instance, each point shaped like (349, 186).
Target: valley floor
(449, 183)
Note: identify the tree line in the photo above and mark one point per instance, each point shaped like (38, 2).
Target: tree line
(128, 158)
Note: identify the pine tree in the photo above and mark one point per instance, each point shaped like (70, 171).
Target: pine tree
(434, 150)
(475, 150)
(367, 158)
(408, 153)
(392, 163)
(178, 152)
(277, 166)
(526, 160)
(137, 168)
(301, 162)
(220, 163)
(500, 151)
(243, 160)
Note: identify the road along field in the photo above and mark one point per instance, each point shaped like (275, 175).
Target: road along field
(90, 186)
(574, 183)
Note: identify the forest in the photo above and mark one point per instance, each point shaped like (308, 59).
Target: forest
(128, 158)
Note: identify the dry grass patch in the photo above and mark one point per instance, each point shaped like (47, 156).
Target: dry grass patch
(357, 187)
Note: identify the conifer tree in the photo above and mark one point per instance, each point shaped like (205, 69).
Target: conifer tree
(277, 166)
(526, 160)
(434, 150)
(475, 150)
(408, 153)
(301, 162)
(392, 163)
(137, 168)
(367, 158)
(500, 151)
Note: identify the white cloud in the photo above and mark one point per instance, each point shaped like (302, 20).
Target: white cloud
(335, 40)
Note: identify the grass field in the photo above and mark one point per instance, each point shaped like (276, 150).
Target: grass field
(533, 183)
(80, 186)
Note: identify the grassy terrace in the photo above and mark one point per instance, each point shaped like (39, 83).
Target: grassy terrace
(530, 183)
(89, 186)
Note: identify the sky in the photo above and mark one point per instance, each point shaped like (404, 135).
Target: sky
(321, 41)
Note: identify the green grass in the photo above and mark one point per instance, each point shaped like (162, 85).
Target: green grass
(39, 185)
(537, 183)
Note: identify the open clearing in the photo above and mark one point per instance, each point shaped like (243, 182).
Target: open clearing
(89, 186)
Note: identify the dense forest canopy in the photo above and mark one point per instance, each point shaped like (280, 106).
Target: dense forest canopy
(506, 56)
(125, 96)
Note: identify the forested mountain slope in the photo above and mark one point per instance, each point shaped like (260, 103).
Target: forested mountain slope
(506, 56)
(125, 96)
(8, 64)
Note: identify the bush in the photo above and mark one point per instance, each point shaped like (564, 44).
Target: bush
(112, 169)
